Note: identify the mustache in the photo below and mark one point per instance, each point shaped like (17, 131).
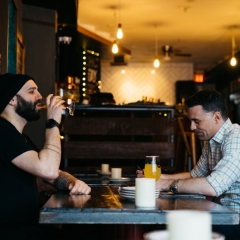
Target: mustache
(37, 102)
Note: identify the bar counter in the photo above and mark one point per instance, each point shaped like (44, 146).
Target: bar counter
(128, 108)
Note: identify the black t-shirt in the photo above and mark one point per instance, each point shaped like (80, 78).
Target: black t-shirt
(18, 189)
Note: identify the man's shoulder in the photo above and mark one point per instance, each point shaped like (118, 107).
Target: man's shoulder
(6, 127)
(233, 131)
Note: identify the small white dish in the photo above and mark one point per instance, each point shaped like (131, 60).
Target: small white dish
(156, 235)
(103, 173)
(119, 180)
(133, 193)
(132, 189)
(164, 235)
(131, 197)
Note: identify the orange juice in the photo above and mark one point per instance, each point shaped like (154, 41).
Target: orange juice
(152, 171)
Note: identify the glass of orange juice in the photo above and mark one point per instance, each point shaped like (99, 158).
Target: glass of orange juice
(70, 105)
(152, 167)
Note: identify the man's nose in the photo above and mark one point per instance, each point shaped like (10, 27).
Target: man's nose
(192, 126)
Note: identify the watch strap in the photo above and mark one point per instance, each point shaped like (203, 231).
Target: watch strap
(51, 123)
(174, 187)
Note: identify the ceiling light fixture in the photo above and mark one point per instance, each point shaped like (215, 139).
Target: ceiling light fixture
(233, 60)
(156, 62)
(119, 31)
(167, 49)
(114, 47)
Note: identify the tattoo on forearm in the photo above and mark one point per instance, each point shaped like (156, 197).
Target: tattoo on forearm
(52, 150)
(52, 145)
(63, 181)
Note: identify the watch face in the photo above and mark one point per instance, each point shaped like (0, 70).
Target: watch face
(51, 123)
(174, 190)
(173, 187)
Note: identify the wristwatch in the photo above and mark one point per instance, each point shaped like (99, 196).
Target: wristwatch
(51, 123)
(174, 187)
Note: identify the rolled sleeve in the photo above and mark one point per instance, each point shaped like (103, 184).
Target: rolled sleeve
(201, 169)
(227, 170)
(225, 175)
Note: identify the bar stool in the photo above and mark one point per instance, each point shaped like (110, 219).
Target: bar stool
(189, 139)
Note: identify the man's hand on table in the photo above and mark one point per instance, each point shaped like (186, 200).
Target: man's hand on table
(140, 174)
(163, 183)
(78, 187)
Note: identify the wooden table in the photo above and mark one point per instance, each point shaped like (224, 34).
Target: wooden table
(105, 206)
(118, 217)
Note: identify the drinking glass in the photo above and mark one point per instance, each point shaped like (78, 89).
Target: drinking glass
(152, 167)
(70, 106)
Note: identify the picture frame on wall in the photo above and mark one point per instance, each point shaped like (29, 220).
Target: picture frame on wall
(20, 56)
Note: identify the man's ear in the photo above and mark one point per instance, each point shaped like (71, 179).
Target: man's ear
(217, 116)
(13, 101)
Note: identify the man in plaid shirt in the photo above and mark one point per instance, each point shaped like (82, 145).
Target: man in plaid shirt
(217, 173)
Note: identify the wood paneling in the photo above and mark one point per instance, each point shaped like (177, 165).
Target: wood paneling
(119, 139)
(3, 35)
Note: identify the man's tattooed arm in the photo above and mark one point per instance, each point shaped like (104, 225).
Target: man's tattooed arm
(63, 180)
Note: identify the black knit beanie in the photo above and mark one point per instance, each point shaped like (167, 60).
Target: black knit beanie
(10, 84)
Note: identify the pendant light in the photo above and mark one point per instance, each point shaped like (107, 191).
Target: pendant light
(114, 47)
(233, 60)
(156, 62)
(119, 30)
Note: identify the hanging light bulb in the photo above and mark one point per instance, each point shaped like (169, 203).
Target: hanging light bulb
(233, 60)
(119, 31)
(156, 62)
(115, 47)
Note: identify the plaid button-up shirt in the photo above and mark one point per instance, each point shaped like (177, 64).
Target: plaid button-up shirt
(220, 164)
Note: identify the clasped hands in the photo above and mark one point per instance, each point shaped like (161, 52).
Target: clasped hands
(78, 187)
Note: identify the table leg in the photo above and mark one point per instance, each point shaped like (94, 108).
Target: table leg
(133, 232)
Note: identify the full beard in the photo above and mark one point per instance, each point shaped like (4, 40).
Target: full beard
(27, 110)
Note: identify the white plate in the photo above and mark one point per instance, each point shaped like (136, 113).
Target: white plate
(104, 173)
(156, 235)
(164, 235)
(119, 180)
(133, 193)
(127, 194)
(128, 188)
(130, 196)
(132, 189)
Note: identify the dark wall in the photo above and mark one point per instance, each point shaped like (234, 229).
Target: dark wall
(39, 37)
(222, 76)
(66, 9)
(185, 89)
(223, 73)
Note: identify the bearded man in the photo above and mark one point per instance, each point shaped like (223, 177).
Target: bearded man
(21, 163)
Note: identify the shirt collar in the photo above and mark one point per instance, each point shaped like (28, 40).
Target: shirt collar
(226, 127)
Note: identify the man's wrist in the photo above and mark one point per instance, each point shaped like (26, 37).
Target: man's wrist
(173, 187)
(51, 123)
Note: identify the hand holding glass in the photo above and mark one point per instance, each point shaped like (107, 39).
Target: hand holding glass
(70, 107)
(152, 167)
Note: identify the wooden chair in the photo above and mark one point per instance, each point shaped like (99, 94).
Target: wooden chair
(118, 139)
(189, 139)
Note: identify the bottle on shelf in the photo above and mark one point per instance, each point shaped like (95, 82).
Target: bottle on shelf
(69, 91)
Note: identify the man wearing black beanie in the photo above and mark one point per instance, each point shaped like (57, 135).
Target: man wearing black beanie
(21, 163)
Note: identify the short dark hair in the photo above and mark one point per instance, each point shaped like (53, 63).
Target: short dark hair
(210, 100)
